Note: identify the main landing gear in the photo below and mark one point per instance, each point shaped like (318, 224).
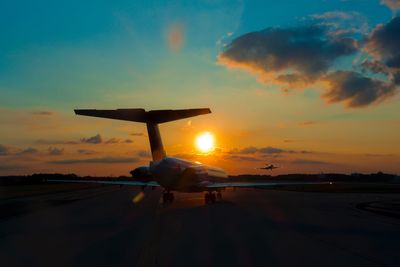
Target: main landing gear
(168, 197)
(211, 197)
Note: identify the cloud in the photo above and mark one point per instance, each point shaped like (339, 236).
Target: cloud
(55, 142)
(341, 23)
(302, 56)
(296, 55)
(97, 139)
(242, 158)
(86, 152)
(249, 150)
(105, 160)
(29, 151)
(261, 150)
(9, 167)
(4, 151)
(308, 123)
(333, 15)
(394, 5)
(43, 113)
(110, 141)
(118, 140)
(270, 150)
(93, 140)
(383, 44)
(143, 154)
(356, 90)
(137, 134)
(374, 66)
(53, 151)
(310, 162)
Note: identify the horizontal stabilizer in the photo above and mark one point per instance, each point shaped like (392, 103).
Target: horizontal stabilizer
(140, 115)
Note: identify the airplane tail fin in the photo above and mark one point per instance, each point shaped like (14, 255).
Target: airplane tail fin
(151, 118)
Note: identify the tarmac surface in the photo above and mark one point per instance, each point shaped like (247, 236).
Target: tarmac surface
(102, 226)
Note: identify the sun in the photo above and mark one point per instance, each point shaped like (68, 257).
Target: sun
(205, 142)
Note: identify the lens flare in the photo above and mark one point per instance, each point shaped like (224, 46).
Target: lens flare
(136, 199)
(205, 142)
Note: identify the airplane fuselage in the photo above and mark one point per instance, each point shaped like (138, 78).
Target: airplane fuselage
(185, 176)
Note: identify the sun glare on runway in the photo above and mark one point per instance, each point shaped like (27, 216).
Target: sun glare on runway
(205, 142)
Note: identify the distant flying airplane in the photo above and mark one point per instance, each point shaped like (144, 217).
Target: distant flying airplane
(269, 167)
(172, 174)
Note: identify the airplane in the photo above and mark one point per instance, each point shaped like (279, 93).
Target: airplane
(269, 167)
(170, 173)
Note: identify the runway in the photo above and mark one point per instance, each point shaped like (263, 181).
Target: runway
(101, 226)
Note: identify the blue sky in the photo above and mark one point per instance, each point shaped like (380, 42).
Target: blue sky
(48, 42)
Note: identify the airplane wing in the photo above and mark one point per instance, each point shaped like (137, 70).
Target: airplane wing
(134, 183)
(263, 184)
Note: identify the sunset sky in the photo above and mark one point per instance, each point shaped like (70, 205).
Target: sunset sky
(310, 86)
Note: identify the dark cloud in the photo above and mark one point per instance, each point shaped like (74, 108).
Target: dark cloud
(86, 152)
(54, 151)
(4, 151)
(300, 56)
(55, 142)
(106, 160)
(93, 140)
(242, 158)
(310, 162)
(308, 123)
(111, 140)
(383, 43)
(9, 167)
(137, 134)
(260, 150)
(118, 140)
(374, 66)
(143, 154)
(249, 150)
(270, 150)
(356, 90)
(44, 113)
(29, 150)
(307, 52)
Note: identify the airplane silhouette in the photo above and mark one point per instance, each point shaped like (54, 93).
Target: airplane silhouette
(269, 167)
(172, 174)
